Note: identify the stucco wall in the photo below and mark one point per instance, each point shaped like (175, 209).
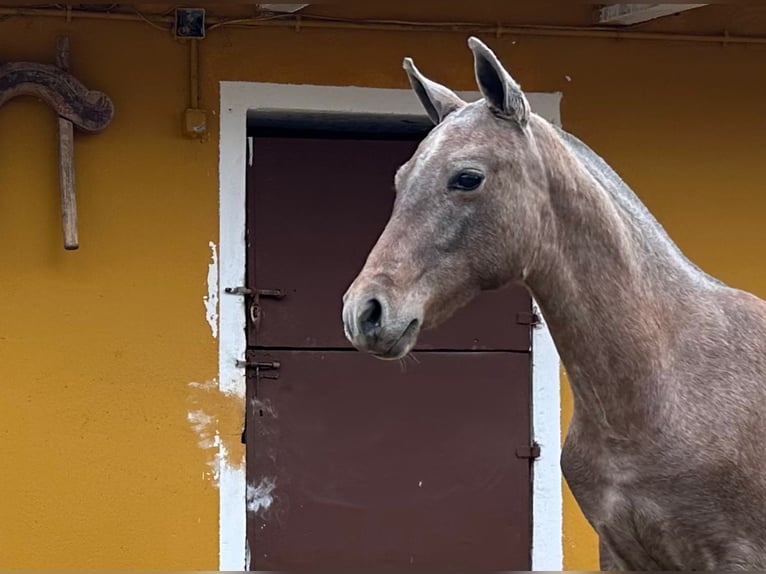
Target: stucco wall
(98, 347)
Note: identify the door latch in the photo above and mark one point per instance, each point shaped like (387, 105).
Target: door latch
(238, 291)
(263, 369)
(255, 304)
(255, 296)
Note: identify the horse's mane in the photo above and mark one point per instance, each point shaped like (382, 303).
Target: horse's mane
(628, 201)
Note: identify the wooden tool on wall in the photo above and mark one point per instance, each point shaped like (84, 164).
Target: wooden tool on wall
(76, 105)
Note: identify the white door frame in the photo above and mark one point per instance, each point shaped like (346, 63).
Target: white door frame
(237, 99)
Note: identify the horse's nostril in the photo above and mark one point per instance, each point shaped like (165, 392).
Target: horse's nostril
(369, 318)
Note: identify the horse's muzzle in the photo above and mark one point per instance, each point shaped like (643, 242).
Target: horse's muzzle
(373, 326)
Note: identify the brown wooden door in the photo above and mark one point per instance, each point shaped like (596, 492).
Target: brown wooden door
(355, 462)
(317, 208)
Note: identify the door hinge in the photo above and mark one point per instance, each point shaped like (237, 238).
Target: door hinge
(527, 319)
(530, 452)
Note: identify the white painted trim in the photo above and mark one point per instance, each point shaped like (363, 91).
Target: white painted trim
(547, 495)
(237, 98)
(231, 316)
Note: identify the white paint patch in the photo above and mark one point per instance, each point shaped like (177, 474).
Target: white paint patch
(205, 426)
(201, 424)
(208, 407)
(260, 497)
(211, 299)
(209, 441)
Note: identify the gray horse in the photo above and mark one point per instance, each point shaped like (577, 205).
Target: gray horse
(666, 452)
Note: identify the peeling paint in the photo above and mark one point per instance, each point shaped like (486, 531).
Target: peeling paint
(211, 299)
(259, 497)
(202, 424)
(217, 418)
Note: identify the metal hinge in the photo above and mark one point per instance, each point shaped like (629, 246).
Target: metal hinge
(527, 319)
(530, 452)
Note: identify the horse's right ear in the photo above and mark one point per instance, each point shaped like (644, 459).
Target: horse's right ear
(501, 92)
(438, 100)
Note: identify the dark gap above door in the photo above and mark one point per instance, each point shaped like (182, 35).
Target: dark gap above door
(325, 125)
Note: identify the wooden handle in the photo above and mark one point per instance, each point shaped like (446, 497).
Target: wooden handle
(66, 161)
(66, 179)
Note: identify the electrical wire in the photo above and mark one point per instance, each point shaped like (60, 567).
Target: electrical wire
(150, 23)
(164, 23)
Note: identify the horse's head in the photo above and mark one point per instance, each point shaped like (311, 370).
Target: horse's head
(464, 216)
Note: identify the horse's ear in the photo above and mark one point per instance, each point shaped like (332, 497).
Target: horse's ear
(438, 100)
(502, 92)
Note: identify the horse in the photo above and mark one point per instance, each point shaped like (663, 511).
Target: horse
(666, 450)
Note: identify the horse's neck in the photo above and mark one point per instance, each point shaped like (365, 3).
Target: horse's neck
(607, 283)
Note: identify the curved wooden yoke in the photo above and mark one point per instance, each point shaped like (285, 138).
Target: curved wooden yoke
(89, 110)
(76, 105)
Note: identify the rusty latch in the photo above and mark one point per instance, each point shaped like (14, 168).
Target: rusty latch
(527, 319)
(238, 291)
(263, 369)
(246, 291)
(255, 306)
(530, 452)
(260, 365)
(269, 294)
(255, 296)
(268, 366)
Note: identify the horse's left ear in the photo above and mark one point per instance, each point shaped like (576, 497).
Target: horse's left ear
(438, 101)
(502, 92)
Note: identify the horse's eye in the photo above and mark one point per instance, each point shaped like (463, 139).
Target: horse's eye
(467, 180)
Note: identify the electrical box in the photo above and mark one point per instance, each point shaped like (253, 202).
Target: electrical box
(195, 123)
(190, 23)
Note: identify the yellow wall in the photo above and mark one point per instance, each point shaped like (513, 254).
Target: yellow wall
(101, 468)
